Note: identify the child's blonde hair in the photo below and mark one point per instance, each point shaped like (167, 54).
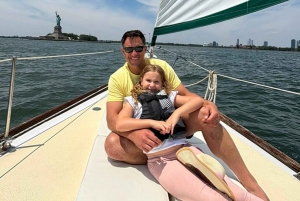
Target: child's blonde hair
(137, 89)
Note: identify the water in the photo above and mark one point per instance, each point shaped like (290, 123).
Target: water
(272, 115)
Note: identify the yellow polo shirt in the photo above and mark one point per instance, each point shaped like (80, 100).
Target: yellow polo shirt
(122, 81)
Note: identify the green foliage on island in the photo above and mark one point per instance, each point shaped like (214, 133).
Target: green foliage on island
(87, 37)
(266, 47)
(81, 37)
(71, 35)
(277, 48)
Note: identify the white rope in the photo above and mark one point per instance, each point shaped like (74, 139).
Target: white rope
(58, 56)
(243, 81)
(198, 66)
(5, 60)
(259, 84)
(67, 55)
(211, 90)
(197, 82)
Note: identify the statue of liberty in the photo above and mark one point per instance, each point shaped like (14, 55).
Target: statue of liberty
(58, 19)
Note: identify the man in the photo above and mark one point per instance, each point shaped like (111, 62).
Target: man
(129, 146)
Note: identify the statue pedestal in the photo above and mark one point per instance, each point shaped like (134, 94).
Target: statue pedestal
(57, 29)
(56, 35)
(57, 32)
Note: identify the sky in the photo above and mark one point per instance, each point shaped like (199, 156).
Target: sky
(109, 19)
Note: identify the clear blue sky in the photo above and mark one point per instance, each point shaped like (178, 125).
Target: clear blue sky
(109, 19)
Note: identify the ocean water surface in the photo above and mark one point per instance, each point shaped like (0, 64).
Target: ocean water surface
(43, 84)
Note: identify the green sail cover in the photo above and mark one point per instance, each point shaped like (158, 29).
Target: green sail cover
(180, 15)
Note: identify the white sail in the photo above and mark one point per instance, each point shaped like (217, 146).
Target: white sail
(180, 15)
(174, 12)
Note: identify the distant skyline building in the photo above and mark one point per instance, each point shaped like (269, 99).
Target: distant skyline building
(250, 42)
(293, 43)
(237, 43)
(298, 43)
(266, 44)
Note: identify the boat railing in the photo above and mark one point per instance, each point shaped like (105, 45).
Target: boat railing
(5, 144)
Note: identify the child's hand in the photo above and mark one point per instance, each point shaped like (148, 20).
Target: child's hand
(161, 126)
(172, 120)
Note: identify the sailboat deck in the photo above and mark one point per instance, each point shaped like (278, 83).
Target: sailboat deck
(276, 181)
(68, 162)
(53, 170)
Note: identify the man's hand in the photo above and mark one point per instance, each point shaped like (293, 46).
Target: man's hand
(210, 115)
(144, 139)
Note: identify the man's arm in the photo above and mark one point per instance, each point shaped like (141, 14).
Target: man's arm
(112, 111)
(212, 116)
(143, 139)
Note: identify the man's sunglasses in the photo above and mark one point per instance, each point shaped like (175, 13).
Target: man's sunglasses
(130, 49)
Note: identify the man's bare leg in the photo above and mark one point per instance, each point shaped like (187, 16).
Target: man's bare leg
(122, 149)
(222, 145)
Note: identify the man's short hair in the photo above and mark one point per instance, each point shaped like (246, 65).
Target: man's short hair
(132, 34)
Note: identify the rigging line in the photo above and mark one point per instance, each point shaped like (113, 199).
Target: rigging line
(160, 48)
(67, 55)
(4, 60)
(198, 66)
(196, 82)
(59, 56)
(244, 80)
(259, 84)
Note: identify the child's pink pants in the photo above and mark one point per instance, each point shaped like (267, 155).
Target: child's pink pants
(184, 185)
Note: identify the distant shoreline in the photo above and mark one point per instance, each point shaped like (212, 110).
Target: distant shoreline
(38, 38)
(161, 43)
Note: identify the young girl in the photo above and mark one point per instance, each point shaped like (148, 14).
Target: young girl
(149, 100)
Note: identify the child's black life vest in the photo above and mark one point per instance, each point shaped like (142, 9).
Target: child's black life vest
(158, 106)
